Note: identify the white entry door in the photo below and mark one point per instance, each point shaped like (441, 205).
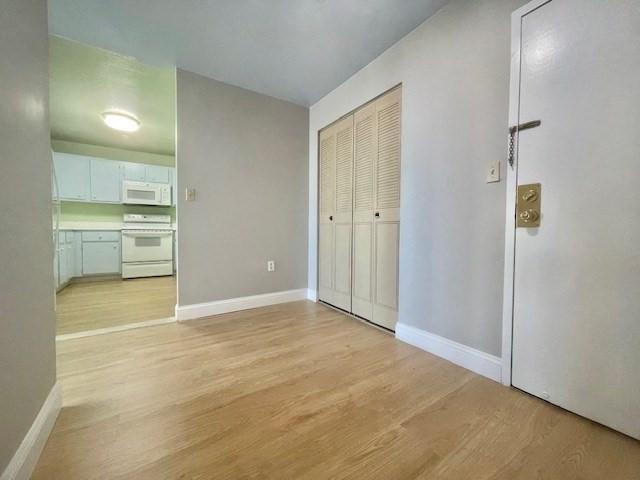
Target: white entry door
(576, 310)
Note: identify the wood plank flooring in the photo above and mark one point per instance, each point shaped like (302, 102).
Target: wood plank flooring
(111, 303)
(299, 391)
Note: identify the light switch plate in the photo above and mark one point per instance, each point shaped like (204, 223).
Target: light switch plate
(493, 174)
(190, 194)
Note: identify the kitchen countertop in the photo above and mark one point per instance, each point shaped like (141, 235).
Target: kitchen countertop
(96, 226)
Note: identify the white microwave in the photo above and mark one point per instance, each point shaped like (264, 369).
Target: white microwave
(143, 193)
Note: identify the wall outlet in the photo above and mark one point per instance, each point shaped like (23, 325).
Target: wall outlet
(493, 174)
(271, 266)
(190, 194)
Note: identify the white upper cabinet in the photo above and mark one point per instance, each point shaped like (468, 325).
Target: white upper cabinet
(72, 172)
(88, 179)
(157, 174)
(105, 181)
(134, 171)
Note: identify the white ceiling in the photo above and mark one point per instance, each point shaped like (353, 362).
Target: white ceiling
(297, 50)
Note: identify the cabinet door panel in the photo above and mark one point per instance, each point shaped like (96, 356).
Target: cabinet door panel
(71, 258)
(157, 174)
(105, 181)
(100, 257)
(134, 171)
(72, 173)
(63, 264)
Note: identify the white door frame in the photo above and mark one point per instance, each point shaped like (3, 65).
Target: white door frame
(512, 182)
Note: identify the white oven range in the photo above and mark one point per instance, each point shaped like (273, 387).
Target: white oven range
(147, 245)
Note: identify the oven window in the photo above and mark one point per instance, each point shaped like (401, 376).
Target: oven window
(148, 241)
(141, 194)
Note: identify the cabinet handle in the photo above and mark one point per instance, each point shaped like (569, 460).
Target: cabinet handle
(377, 214)
(331, 218)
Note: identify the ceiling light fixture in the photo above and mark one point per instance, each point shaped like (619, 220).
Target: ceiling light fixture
(121, 121)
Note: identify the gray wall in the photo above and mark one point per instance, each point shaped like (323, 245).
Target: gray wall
(246, 155)
(27, 321)
(455, 74)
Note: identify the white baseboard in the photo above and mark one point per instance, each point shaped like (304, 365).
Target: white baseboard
(207, 309)
(477, 361)
(312, 295)
(26, 457)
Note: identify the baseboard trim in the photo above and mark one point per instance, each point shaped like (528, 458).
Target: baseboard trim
(26, 457)
(207, 309)
(312, 295)
(477, 361)
(119, 328)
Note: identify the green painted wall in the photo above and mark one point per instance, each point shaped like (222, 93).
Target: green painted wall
(105, 212)
(113, 153)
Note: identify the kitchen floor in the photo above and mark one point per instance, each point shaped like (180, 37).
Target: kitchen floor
(88, 306)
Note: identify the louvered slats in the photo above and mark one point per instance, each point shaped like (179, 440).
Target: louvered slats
(360, 217)
(388, 166)
(344, 165)
(364, 161)
(327, 174)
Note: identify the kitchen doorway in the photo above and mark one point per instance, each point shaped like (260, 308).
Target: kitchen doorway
(114, 182)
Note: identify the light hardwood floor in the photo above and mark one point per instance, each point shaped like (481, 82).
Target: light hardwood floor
(111, 303)
(299, 391)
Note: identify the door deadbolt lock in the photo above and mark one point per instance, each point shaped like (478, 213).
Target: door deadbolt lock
(529, 216)
(528, 205)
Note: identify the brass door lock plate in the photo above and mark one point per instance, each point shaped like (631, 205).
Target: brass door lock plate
(528, 205)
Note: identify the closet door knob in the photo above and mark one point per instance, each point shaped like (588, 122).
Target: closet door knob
(377, 214)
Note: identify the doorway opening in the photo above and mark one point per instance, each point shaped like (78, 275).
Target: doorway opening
(114, 182)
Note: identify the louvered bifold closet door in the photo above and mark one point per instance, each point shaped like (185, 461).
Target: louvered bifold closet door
(327, 200)
(364, 159)
(343, 218)
(386, 229)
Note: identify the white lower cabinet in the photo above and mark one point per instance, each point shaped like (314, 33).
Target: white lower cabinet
(101, 253)
(82, 253)
(65, 260)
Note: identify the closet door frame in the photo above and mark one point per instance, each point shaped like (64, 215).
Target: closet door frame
(320, 214)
